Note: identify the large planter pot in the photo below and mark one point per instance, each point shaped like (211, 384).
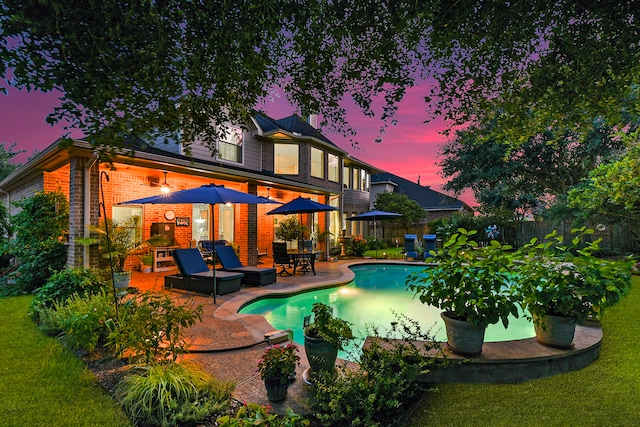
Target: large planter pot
(276, 389)
(320, 354)
(462, 337)
(122, 280)
(555, 331)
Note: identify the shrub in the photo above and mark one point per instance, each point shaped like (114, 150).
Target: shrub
(39, 248)
(357, 246)
(170, 394)
(152, 327)
(378, 392)
(61, 285)
(252, 414)
(86, 320)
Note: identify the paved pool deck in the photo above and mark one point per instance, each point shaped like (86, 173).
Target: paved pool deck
(229, 345)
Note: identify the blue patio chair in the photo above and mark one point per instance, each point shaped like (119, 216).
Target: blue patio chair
(253, 276)
(196, 276)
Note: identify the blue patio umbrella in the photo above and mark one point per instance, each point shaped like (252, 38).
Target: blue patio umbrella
(210, 194)
(374, 216)
(301, 205)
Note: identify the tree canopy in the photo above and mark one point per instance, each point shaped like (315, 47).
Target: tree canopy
(529, 176)
(178, 66)
(412, 212)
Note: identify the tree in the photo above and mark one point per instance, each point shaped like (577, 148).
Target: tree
(527, 177)
(537, 63)
(175, 67)
(611, 193)
(6, 167)
(412, 212)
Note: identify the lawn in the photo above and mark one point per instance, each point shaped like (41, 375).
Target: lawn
(41, 383)
(607, 392)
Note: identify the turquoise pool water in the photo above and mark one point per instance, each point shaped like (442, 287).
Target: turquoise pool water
(370, 299)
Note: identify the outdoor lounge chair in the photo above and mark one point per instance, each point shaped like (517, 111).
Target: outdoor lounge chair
(281, 258)
(253, 276)
(196, 276)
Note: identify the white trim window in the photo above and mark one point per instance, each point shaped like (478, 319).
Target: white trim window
(230, 149)
(317, 163)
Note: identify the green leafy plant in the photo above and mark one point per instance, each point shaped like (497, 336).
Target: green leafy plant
(252, 414)
(39, 246)
(382, 387)
(152, 327)
(567, 279)
(289, 229)
(357, 246)
(87, 320)
(279, 362)
(124, 240)
(476, 284)
(331, 329)
(171, 394)
(63, 284)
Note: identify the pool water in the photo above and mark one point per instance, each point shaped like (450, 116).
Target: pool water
(376, 292)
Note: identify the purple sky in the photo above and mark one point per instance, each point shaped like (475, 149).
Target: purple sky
(408, 149)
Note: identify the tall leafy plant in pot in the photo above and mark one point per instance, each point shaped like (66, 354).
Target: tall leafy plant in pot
(324, 337)
(565, 284)
(289, 230)
(474, 286)
(124, 240)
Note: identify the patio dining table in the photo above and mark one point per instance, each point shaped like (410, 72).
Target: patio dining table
(299, 257)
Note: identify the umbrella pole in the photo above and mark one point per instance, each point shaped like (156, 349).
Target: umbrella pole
(213, 228)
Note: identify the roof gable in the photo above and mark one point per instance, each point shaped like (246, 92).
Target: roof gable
(426, 197)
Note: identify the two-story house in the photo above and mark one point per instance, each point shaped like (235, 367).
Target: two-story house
(280, 159)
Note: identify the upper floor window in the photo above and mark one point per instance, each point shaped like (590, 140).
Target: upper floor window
(364, 178)
(317, 162)
(356, 179)
(230, 149)
(286, 159)
(346, 177)
(334, 168)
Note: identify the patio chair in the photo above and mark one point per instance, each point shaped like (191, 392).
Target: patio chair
(281, 258)
(410, 246)
(253, 276)
(307, 246)
(196, 276)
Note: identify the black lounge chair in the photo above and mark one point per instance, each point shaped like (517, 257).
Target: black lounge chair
(253, 276)
(196, 276)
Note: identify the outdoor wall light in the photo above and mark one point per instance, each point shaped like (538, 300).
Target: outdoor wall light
(164, 188)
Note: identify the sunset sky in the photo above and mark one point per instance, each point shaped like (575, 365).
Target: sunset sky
(408, 149)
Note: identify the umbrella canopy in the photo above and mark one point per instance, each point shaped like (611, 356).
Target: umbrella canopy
(210, 194)
(374, 216)
(301, 205)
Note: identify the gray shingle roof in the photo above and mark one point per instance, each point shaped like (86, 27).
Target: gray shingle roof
(426, 197)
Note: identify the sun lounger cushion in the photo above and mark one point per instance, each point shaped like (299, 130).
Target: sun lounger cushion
(196, 276)
(253, 276)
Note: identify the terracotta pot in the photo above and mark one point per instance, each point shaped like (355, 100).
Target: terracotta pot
(555, 331)
(462, 337)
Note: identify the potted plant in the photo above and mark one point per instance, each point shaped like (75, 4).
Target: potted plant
(474, 286)
(564, 285)
(324, 337)
(124, 241)
(289, 229)
(277, 368)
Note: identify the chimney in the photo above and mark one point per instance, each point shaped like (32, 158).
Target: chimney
(418, 179)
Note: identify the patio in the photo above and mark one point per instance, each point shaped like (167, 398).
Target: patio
(223, 328)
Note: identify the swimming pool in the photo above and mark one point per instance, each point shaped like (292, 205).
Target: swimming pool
(369, 299)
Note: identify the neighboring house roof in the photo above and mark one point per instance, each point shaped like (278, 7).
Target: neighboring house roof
(426, 197)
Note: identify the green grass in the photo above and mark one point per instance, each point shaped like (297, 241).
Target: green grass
(41, 383)
(607, 392)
